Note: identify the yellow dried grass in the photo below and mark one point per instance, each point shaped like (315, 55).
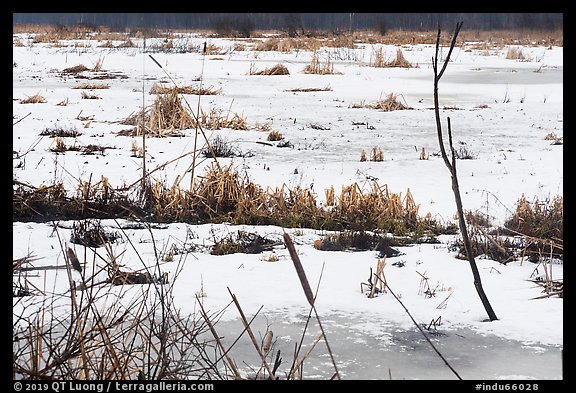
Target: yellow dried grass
(278, 69)
(35, 99)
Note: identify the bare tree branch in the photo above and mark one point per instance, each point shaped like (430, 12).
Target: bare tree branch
(451, 165)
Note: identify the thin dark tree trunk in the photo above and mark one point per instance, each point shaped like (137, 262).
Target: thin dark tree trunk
(451, 165)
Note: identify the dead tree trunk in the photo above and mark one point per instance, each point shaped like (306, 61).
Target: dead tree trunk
(451, 165)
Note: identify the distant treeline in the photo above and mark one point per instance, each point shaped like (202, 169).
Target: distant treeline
(296, 23)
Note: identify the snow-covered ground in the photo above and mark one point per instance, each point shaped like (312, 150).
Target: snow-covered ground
(501, 111)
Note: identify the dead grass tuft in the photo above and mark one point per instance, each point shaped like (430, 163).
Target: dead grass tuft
(242, 242)
(275, 136)
(88, 96)
(75, 70)
(376, 154)
(515, 53)
(389, 104)
(310, 89)
(399, 61)
(35, 99)
(160, 89)
(166, 117)
(539, 219)
(317, 67)
(278, 69)
(91, 86)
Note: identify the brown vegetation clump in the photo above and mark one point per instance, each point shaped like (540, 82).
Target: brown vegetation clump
(275, 136)
(75, 70)
(88, 96)
(278, 69)
(376, 154)
(399, 61)
(389, 104)
(35, 99)
(167, 115)
(317, 67)
(310, 89)
(285, 45)
(91, 86)
(514, 53)
(160, 89)
(539, 219)
(222, 194)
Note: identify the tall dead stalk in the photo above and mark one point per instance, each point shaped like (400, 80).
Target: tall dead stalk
(309, 296)
(451, 165)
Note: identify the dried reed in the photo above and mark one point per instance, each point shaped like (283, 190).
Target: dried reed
(317, 67)
(91, 86)
(35, 99)
(160, 89)
(278, 69)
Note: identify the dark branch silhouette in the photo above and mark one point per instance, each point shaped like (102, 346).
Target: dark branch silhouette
(451, 165)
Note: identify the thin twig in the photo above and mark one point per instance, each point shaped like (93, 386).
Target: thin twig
(422, 331)
(218, 341)
(247, 327)
(309, 296)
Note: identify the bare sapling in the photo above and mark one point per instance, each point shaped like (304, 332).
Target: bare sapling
(451, 165)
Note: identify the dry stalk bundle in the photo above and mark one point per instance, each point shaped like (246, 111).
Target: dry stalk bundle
(35, 99)
(161, 89)
(75, 70)
(219, 191)
(330, 200)
(91, 86)
(399, 61)
(278, 69)
(167, 115)
(213, 120)
(317, 67)
(378, 60)
(389, 104)
(379, 280)
(276, 44)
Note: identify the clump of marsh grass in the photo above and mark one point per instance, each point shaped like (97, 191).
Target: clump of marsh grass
(399, 61)
(388, 104)
(35, 99)
(214, 120)
(75, 69)
(160, 89)
(539, 218)
(376, 154)
(91, 86)
(317, 67)
(355, 241)
(514, 53)
(278, 69)
(556, 140)
(242, 242)
(88, 96)
(61, 132)
(219, 147)
(275, 136)
(91, 233)
(310, 89)
(167, 116)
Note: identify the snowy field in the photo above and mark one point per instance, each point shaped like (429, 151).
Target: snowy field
(501, 112)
